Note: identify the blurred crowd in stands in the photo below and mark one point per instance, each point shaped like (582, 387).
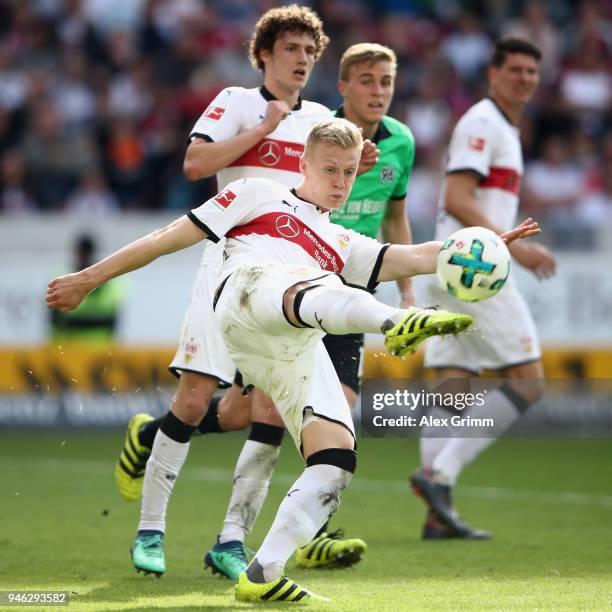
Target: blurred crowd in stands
(97, 97)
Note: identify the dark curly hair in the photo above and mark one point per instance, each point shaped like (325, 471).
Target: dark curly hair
(292, 18)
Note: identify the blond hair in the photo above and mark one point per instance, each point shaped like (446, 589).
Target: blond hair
(276, 21)
(335, 132)
(365, 52)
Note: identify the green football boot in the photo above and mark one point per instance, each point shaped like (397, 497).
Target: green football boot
(418, 324)
(330, 550)
(281, 589)
(228, 559)
(147, 553)
(130, 468)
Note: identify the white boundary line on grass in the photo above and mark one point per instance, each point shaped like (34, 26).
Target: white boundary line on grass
(89, 466)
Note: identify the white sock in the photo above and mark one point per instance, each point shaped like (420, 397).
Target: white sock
(458, 452)
(308, 504)
(163, 467)
(344, 310)
(251, 483)
(431, 442)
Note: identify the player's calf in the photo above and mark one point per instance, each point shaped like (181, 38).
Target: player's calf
(328, 305)
(310, 501)
(250, 486)
(193, 397)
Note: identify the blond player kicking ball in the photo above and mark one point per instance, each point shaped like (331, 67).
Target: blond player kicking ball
(281, 288)
(244, 133)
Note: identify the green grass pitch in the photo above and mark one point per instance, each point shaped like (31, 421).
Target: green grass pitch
(548, 502)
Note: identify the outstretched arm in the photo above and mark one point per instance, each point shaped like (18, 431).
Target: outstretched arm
(396, 230)
(67, 292)
(410, 260)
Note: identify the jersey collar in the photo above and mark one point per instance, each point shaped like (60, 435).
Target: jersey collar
(295, 193)
(501, 112)
(381, 131)
(268, 95)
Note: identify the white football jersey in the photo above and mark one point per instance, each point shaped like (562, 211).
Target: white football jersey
(265, 222)
(277, 156)
(486, 142)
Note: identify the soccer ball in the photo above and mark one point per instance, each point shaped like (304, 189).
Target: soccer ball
(473, 264)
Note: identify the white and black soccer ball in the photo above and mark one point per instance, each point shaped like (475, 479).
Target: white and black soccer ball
(473, 264)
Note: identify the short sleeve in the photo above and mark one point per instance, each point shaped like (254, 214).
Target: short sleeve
(222, 119)
(227, 209)
(471, 146)
(401, 186)
(362, 266)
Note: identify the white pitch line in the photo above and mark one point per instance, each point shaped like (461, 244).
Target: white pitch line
(366, 485)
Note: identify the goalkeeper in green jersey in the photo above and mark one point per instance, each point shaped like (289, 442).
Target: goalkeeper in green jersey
(378, 199)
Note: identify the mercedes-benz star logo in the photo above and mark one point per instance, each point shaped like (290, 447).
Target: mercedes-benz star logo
(269, 153)
(286, 226)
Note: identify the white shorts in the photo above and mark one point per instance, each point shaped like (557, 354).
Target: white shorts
(504, 333)
(201, 347)
(288, 363)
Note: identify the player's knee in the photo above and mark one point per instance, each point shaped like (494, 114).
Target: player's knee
(191, 408)
(235, 420)
(344, 440)
(193, 398)
(263, 409)
(454, 386)
(291, 302)
(335, 435)
(320, 435)
(343, 458)
(525, 382)
(523, 393)
(265, 433)
(535, 390)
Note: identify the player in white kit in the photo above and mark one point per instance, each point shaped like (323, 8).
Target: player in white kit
(283, 285)
(481, 187)
(257, 132)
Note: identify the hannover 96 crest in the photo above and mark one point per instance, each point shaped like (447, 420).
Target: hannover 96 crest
(386, 174)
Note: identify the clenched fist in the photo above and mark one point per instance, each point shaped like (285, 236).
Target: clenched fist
(68, 291)
(276, 111)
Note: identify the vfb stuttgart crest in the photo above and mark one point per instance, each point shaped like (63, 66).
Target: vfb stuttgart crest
(387, 173)
(191, 348)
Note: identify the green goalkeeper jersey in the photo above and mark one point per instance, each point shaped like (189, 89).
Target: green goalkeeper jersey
(388, 179)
